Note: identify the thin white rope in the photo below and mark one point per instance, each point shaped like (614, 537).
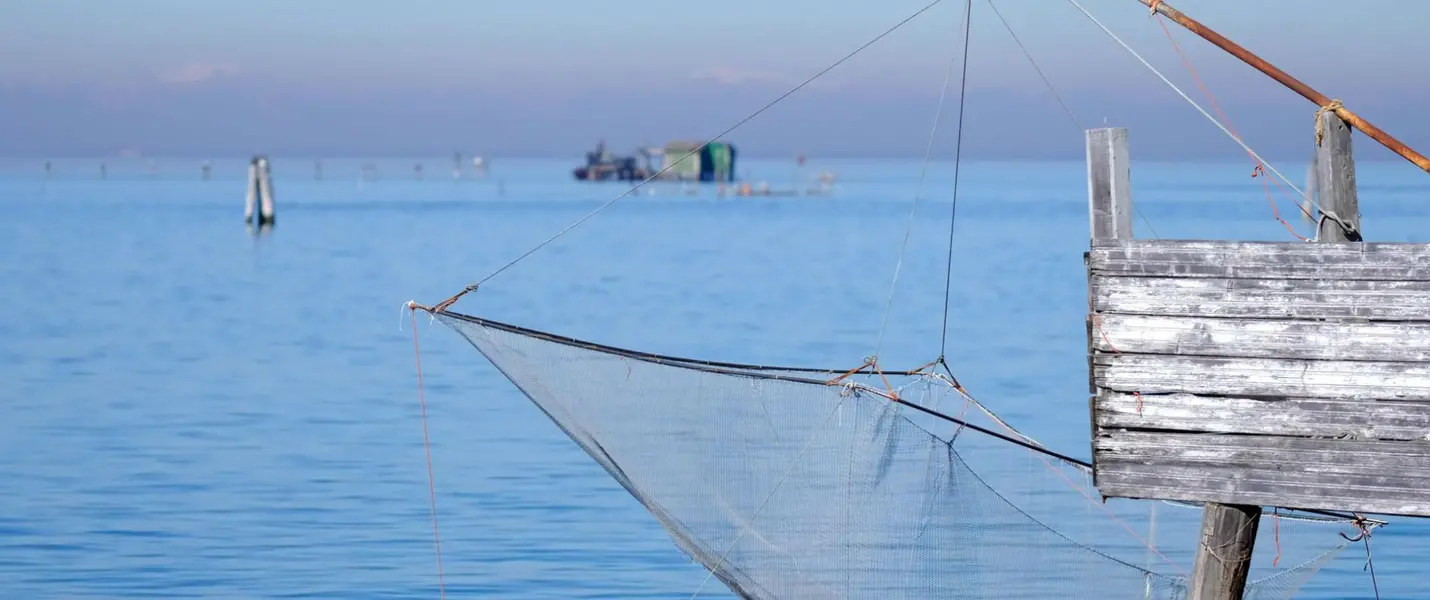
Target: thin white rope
(722, 134)
(1056, 96)
(918, 191)
(1029, 56)
(1204, 112)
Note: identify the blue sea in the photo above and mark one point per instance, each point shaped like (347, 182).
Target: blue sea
(194, 409)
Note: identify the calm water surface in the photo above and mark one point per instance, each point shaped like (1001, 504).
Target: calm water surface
(194, 411)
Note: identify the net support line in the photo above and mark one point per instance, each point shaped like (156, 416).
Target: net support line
(759, 372)
(1236, 138)
(752, 370)
(957, 162)
(702, 146)
(1056, 96)
(918, 192)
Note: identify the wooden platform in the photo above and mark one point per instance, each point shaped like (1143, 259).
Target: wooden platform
(1257, 373)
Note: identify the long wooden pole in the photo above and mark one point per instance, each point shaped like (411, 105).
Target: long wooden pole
(1294, 84)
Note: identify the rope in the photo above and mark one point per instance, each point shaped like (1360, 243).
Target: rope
(1332, 107)
(1370, 566)
(1199, 108)
(1029, 55)
(710, 366)
(427, 446)
(1365, 526)
(1259, 169)
(702, 146)
(913, 209)
(984, 430)
(957, 162)
(1276, 534)
(1071, 117)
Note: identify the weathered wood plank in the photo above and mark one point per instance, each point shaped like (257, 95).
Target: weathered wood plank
(1259, 338)
(1262, 377)
(1348, 457)
(1300, 251)
(1168, 485)
(1350, 419)
(1240, 260)
(1109, 187)
(1263, 298)
(1360, 476)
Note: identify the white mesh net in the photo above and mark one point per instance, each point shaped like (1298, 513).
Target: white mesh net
(786, 486)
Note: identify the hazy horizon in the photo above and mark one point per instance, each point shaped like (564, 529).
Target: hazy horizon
(503, 79)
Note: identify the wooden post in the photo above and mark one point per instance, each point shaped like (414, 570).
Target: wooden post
(267, 212)
(1224, 552)
(250, 202)
(1109, 203)
(258, 208)
(1336, 179)
(1109, 184)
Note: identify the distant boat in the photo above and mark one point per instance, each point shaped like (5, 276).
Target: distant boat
(601, 165)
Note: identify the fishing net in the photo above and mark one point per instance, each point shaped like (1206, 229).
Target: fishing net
(806, 483)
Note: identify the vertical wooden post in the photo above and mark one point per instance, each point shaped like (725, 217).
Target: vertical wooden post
(259, 209)
(267, 212)
(250, 202)
(1336, 179)
(1224, 552)
(1109, 203)
(1109, 184)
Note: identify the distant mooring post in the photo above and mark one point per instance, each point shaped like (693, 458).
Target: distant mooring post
(258, 209)
(1251, 374)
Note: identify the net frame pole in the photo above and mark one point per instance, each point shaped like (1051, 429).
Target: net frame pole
(1295, 85)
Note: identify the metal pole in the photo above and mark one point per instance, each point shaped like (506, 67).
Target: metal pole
(1287, 80)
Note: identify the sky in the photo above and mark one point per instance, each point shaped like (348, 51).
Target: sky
(347, 78)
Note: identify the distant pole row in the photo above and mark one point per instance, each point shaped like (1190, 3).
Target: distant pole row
(367, 171)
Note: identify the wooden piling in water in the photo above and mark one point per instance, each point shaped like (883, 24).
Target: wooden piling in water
(259, 208)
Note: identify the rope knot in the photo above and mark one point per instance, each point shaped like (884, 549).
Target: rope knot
(1152, 5)
(453, 300)
(1330, 107)
(1362, 525)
